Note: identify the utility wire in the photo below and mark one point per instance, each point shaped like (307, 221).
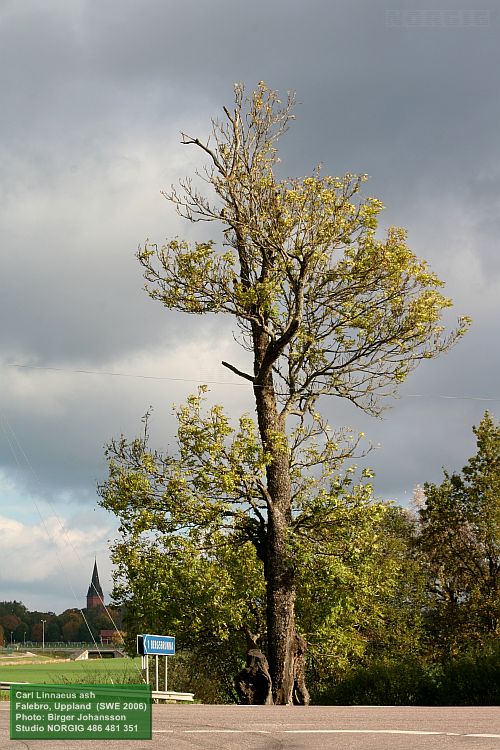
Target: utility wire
(16, 450)
(108, 373)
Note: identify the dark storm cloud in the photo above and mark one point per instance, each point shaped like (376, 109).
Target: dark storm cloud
(94, 94)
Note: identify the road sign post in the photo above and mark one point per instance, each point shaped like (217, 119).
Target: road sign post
(155, 645)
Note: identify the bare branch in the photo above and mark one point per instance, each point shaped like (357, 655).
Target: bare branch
(187, 140)
(238, 372)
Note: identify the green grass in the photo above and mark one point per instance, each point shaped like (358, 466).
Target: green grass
(92, 671)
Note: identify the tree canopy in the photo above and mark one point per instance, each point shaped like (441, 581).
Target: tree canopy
(459, 539)
(324, 307)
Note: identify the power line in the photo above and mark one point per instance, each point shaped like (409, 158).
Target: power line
(111, 374)
(462, 398)
(120, 374)
(17, 450)
(140, 376)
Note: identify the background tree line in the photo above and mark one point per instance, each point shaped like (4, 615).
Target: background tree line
(72, 625)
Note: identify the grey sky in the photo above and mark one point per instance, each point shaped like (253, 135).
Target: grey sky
(94, 94)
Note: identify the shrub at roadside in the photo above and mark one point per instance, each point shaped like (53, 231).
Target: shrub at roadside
(470, 680)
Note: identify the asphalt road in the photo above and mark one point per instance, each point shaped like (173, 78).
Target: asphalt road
(197, 727)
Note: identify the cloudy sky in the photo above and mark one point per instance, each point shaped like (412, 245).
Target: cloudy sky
(94, 94)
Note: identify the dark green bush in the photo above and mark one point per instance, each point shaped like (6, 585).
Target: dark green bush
(404, 682)
(472, 679)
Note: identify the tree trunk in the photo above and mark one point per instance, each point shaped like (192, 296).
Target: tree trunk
(280, 610)
(286, 648)
(279, 567)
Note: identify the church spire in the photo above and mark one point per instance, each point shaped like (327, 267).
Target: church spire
(95, 597)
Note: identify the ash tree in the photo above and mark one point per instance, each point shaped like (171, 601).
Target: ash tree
(324, 308)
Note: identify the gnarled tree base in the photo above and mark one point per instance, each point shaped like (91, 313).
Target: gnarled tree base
(253, 683)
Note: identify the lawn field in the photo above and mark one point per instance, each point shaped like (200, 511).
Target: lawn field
(92, 671)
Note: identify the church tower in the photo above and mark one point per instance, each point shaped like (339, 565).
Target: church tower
(95, 597)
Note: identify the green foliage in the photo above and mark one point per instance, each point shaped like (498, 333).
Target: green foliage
(14, 608)
(459, 541)
(53, 632)
(391, 683)
(256, 518)
(202, 595)
(472, 679)
(340, 311)
(193, 526)
(202, 674)
(373, 601)
(344, 574)
(185, 561)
